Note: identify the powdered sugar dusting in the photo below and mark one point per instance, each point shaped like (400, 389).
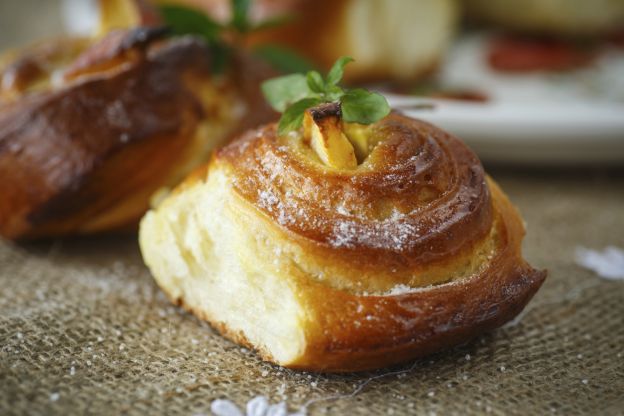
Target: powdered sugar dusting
(268, 200)
(608, 263)
(389, 233)
(400, 289)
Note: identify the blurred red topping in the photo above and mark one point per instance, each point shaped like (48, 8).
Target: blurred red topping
(519, 54)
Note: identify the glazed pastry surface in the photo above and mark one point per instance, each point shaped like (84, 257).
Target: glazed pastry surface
(89, 130)
(325, 269)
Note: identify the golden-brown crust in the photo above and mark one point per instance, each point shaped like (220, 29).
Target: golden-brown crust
(354, 332)
(60, 150)
(382, 302)
(395, 212)
(86, 139)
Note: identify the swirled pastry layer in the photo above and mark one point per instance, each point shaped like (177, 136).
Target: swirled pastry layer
(330, 269)
(418, 199)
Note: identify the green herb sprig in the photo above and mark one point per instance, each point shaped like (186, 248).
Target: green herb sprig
(221, 38)
(292, 94)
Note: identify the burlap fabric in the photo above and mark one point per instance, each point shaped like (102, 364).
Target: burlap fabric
(84, 330)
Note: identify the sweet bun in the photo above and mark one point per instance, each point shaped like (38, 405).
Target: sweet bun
(324, 268)
(399, 40)
(552, 17)
(89, 130)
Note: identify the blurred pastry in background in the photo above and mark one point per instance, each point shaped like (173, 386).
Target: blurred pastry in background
(399, 40)
(550, 17)
(91, 128)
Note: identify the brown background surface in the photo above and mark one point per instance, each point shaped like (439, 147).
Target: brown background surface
(90, 304)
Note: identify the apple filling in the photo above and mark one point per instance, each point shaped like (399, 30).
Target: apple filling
(337, 143)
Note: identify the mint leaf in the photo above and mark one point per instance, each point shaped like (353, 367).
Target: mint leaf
(222, 39)
(272, 22)
(187, 21)
(220, 55)
(283, 59)
(292, 118)
(362, 106)
(337, 70)
(333, 93)
(240, 10)
(283, 91)
(305, 91)
(315, 82)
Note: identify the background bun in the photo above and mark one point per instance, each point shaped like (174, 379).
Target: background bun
(399, 40)
(90, 130)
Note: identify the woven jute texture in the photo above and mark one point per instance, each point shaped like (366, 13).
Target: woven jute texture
(84, 330)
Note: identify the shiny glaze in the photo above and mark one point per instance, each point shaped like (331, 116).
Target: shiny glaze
(73, 151)
(380, 301)
(373, 301)
(419, 197)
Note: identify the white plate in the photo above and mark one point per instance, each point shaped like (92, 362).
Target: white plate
(574, 117)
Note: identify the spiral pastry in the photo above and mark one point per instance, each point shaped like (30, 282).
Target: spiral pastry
(411, 250)
(90, 129)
